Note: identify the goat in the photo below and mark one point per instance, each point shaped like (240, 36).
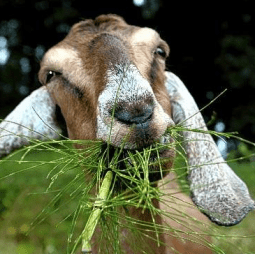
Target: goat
(82, 75)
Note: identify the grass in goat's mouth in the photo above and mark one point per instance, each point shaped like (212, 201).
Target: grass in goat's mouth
(134, 164)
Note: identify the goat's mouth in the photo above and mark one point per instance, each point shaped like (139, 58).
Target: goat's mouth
(153, 161)
(134, 134)
(138, 150)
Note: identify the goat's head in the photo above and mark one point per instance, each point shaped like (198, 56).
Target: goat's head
(106, 68)
(108, 79)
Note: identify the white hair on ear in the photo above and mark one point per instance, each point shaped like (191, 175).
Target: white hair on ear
(216, 189)
(33, 118)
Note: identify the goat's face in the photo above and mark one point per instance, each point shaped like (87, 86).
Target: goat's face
(108, 79)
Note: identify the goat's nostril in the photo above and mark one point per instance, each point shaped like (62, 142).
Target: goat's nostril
(134, 114)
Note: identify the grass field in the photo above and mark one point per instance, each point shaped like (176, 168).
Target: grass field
(23, 197)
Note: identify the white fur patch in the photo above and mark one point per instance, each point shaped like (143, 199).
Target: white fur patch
(57, 58)
(144, 35)
(33, 118)
(127, 85)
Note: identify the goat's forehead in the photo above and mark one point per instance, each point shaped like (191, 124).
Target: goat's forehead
(145, 34)
(57, 57)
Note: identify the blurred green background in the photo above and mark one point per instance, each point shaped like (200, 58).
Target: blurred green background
(212, 48)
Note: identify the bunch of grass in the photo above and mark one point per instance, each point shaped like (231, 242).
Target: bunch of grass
(95, 177)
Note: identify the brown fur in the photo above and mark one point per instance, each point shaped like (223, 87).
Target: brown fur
(83, 59)
(80, 39)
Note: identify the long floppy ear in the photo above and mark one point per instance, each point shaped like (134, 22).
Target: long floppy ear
(33, 118)
(216, 189)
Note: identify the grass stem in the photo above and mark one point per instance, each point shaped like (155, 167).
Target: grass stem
(96, 212)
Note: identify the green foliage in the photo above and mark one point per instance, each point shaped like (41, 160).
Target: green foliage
(27, 195)
(49, 184)
(52, 182)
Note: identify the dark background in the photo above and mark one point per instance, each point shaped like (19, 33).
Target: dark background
(212, 48)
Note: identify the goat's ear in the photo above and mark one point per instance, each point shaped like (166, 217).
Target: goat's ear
(33, 118)
(216, 189)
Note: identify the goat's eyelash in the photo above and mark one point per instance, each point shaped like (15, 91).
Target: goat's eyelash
(50, 75)
(161, 52)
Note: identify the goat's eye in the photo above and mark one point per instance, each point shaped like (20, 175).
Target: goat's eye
(161, 52)
(50, 75)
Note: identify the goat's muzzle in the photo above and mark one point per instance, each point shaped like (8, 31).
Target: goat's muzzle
(134, 127)
(139, 112)
(129, 114)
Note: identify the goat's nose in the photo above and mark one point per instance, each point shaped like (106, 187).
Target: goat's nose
(134, 113)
